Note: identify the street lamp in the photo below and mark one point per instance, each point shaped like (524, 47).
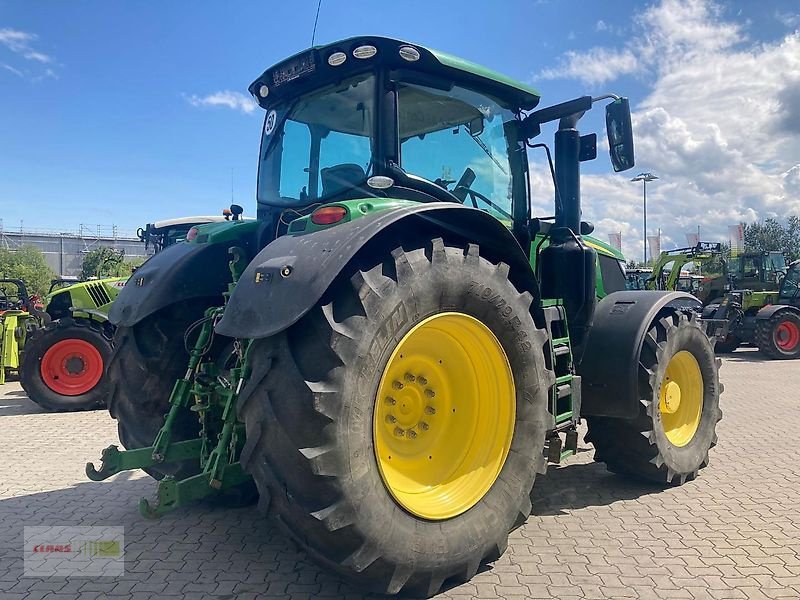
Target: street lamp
(644, 178)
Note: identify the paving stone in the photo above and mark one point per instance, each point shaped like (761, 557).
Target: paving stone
(731, 534)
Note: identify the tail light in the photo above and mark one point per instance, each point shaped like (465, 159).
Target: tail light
(328, 215)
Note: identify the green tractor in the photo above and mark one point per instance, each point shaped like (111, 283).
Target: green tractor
(395, 348)
(673, 278)
(63, 363)
(20, 315)
(755, 271)
(769, 320)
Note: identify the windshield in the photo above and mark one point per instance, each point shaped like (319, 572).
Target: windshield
(456, 138)
(776, 262)
(318, 147)
(790, 288)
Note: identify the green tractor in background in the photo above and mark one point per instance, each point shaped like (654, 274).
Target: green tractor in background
(20, 316)
(62, 365)
(392, 354)
(768, 320)
(754, 271)
(662, 279)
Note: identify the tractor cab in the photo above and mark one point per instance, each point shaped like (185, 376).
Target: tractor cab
(14, 296)
(378, 118)
(759, 271)
(790, 286)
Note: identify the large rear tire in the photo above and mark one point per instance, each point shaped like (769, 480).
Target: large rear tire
(63, 365)
(147, 360)
(668, 442)
(373, 429)
(779, 336)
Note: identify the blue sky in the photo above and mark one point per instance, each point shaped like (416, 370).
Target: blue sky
(123, 112)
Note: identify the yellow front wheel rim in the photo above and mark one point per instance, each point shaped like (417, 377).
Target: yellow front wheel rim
(444, 416)
(681, 398)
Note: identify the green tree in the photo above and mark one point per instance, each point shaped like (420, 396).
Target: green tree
(772, 235)
(28, 264)
(104, 262)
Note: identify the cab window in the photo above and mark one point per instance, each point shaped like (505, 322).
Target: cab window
(456, 139)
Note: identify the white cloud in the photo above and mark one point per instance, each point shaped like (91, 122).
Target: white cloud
(20, 44)
(719, 125)
(11, 69)
(14, 40)
(226, 98)
(594, 67)
(788, 19)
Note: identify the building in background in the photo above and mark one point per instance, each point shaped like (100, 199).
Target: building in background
(64, 251)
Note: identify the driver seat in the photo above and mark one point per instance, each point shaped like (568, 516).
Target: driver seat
(342, 177)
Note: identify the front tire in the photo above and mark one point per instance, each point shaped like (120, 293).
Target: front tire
(779, 336)
(64, 363)
(328, 398)
(668, 442)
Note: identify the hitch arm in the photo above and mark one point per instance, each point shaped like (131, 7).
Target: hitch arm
(115, 460)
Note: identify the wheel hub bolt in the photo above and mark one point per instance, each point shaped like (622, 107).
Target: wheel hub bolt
(397, 385)
(430, 410)
(412, 434)
(423, 425)
(391, 419)
(422, 380)
(399, 431)
(409, 377)
(430, 393)
(391, 401)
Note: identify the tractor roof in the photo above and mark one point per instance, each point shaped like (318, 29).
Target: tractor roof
(603, 248)
(313, 62)
(187, 220)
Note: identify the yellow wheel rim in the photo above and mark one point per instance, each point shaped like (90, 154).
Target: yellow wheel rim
(444, 416)
(681, 398)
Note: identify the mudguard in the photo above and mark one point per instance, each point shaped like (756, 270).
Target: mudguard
(768, 311)
(289, 276)
(178, 273)
(610, 364)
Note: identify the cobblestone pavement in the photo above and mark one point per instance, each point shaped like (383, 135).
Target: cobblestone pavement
(733, 533)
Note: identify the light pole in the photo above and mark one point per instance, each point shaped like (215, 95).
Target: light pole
(644, 178)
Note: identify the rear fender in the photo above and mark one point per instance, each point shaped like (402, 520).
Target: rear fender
(178, 273)
(769, 311)
(289, 276)
(610, 364)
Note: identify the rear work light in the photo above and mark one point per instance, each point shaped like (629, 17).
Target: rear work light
(191, 234)
(328, 215)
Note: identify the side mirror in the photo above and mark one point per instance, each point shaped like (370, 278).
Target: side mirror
(475, 126)
(620, 134)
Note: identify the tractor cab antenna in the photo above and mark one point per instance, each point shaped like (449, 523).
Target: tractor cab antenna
(316, 18)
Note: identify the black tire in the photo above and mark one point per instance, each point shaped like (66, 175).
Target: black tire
(309, 407)
(147, 360)
(639, 447)
(767, 333)
(36, 347)
(728, 345)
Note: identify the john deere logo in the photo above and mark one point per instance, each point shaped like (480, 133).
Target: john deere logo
(140, 281)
